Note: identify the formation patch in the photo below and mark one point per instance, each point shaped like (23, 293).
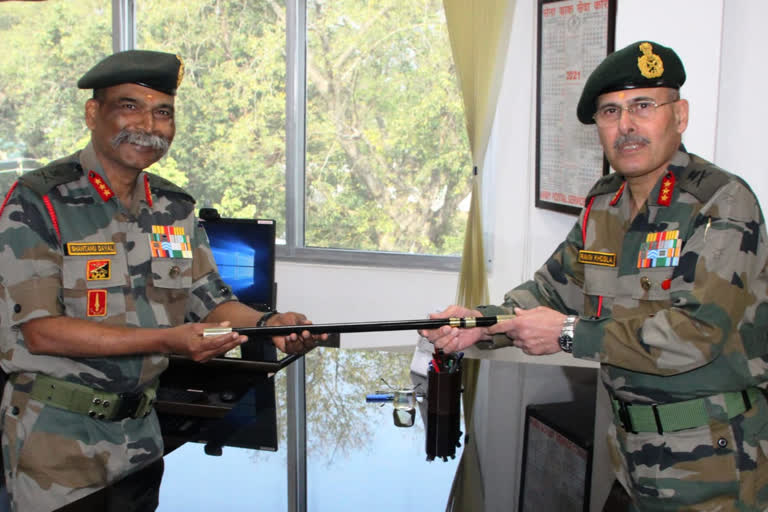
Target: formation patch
(98, 270)
(97, 303)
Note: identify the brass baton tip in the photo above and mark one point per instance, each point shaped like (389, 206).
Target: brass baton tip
(216, 331)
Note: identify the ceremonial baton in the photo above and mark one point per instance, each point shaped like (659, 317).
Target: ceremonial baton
(395, 325)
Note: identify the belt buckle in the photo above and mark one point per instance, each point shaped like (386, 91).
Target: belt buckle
(624, 417)
(129, 405)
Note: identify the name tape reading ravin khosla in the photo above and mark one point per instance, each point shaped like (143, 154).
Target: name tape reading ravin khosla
(605, 259)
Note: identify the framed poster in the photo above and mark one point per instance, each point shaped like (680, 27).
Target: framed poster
(574, 36)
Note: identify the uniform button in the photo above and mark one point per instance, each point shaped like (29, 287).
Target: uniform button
(225, 292)
(175, 271)
(15, 410)
(645, 283)
(722, 442)
(17, 308)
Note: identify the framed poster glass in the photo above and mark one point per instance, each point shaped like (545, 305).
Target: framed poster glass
(574, 36)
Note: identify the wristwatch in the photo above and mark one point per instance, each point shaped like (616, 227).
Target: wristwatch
(566, 334)
(266, 316)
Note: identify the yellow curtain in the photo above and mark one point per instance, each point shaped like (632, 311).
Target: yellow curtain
(479, 33)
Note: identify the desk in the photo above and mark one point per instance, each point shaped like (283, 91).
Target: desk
(358, 460)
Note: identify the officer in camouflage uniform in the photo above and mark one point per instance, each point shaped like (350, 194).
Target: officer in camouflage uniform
(103, 272)
(663, 281)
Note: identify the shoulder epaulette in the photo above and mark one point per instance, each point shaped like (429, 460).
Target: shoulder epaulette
(158, 184)
(44, 179)
(702, 179)
(608, 184)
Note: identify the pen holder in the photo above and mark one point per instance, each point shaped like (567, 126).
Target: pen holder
(443, 410)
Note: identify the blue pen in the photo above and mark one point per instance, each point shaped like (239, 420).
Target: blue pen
(379, 397)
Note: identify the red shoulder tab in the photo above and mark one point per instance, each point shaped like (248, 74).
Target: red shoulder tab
(98, 183)
(667, 187)
(52, 213)
(618, 194)
(8, 196)
(147, 190)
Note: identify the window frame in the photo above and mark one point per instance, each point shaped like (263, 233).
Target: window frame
(294, 249)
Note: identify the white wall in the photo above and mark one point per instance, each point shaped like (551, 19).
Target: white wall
(742, 107)
(327, 294)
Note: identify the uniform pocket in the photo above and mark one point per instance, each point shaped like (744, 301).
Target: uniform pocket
(93, 287)
(169, 287)
(650, 283)
(172, 273)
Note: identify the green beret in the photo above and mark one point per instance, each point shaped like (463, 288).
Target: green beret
(157, 70)
(639, 65)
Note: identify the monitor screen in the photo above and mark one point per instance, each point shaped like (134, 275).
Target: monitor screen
(244, 250)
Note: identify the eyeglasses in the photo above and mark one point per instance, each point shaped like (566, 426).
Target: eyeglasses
(644, 109)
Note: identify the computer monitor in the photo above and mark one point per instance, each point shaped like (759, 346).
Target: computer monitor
(244, 251)
(230, 400)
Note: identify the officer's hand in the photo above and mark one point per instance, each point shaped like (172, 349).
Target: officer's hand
(188, 340)
(294, 343)
(536, 331)
(450, 339)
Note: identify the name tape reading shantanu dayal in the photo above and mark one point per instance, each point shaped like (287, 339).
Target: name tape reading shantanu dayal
(90, 248)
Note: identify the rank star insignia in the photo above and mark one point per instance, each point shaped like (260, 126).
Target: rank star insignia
(98, 184)
(665, 192)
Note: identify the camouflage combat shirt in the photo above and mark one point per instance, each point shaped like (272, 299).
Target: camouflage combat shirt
(673, 305)
(147, 266)
(670, 328)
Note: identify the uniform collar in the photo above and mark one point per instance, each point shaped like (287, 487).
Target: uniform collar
(96, 176)
(662, 192)
(668, 183)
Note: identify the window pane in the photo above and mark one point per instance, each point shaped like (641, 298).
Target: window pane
(358, 459)
(229, 150)
(388, 164)
(239, 480)
(46, 47)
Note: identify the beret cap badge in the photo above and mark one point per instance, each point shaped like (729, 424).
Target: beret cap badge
(649, 64)
(639, 65)
(180, 76)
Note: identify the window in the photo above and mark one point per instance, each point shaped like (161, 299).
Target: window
(383, 154)
(229, 150)
(387, 161)
(46, 47)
